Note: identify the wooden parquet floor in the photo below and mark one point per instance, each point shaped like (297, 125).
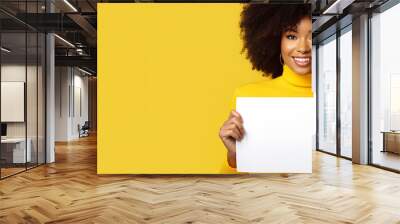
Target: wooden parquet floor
(69, 191)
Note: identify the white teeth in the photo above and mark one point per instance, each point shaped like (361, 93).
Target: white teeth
(301, 61)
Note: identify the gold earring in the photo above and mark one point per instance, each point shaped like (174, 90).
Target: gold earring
(280, 58)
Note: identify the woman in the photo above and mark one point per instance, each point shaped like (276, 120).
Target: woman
(278, 42)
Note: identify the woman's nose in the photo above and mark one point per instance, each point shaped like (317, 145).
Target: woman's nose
(304, 47)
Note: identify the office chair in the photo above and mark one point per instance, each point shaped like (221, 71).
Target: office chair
(84, 130)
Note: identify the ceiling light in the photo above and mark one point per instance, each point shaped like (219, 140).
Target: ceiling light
(337, 7)
(70, 5)
(5, 50)
(84, 71)
(79, 51)
(64, 40)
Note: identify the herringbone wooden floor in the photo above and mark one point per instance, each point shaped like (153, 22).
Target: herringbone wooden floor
(69, 191)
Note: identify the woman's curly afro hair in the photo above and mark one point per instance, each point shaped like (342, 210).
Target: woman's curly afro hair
(262, 26)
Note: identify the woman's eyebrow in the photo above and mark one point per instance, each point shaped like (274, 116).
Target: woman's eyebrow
(291, 29)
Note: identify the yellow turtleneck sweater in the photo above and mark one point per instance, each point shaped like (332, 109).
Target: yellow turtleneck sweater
(289, 84)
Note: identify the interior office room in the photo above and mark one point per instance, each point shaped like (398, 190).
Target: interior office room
(334, 46)
(49, 128)
(23, 99)
(25, 71)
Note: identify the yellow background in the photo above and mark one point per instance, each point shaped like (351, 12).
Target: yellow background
(166, 76)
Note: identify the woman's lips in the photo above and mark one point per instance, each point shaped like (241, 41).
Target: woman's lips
(302, 61)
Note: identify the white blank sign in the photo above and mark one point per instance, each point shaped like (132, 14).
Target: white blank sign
(278, 134)
(12, 101)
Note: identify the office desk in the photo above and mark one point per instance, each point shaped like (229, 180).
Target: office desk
(15, 148)
(391, 141)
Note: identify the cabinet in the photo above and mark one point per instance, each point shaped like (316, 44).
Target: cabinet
(391, 142)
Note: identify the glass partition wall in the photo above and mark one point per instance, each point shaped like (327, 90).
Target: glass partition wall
(334, 93)
(385, 90)
(345, 62)
(13, 89)
(22, 87)
(327, 95)
(335, 90)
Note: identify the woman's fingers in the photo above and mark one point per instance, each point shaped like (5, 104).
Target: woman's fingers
(233, 127)
(237, 130)
(236, 114)
(236, 119)
(238, 124)
(231, 131)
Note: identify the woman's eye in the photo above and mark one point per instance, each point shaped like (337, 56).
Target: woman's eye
(291, 37)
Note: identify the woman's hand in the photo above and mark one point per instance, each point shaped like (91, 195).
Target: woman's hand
(231, 131)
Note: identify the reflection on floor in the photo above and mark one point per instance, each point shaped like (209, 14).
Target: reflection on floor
(8, 170)
(70, 191)
(346, 152)
(387, 159)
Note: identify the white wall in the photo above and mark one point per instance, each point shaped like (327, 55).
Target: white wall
(9, 73)
(12, 73)
(62, 81)
(33, 127)
(82, 82)
(71, 87)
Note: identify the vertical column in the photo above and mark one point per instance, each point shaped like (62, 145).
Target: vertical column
(360, 90)
(50, 92)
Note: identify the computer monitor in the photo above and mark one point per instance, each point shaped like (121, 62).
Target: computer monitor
(3, 129)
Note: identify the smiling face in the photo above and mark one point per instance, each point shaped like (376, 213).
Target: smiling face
(296, 45)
